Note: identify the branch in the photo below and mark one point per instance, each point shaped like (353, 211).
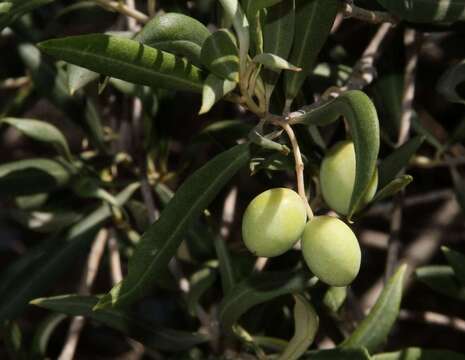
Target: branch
(375, 17)
(122, 8)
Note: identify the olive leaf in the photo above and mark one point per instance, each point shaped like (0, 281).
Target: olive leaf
(441, 278)
(375, 328)
(393, 164)
(41, 131)
(45, 221)
(31, 176)
(124, 321)
(274, 62)
(200, 282)
(338, 354)
(227, 274)
(160, 242)
(447, 84)
(314, 19)
(214, 89)
(34, 272)
(126, 59)
(426, 11)
(362, 118)
(43, 334)
(257, 289)
(13, 339)
(414, 353)
(306, 326)
(14, 9)
(220, 55)
(175, 33)
(79, 77)
(457, 261)
(278, 38)
(393, 187)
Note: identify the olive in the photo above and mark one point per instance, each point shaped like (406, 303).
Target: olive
(331, 250)
(337, 178)
(273, 222)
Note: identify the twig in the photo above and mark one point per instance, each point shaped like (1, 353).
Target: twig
(132, 22)
(430, 317)
(88, 278)
(14, 83)
(122, 8)
(115, 259)
(375, 17)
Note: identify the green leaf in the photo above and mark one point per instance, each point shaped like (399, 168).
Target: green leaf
(200, 282)
(5, 7)
(314, 19)
(447, 84)
(338, 354)
(45, 221)
(419, 354)
(334, 298)
(442, 279)
(160, 242)
(32, 274)
(393, 187)
(25, 177)
(426, 11)
(79, 77)
(278, 33)
(43, 334)
(457, 261)
(392, 165)
(375, 328)
(17, 8)
(94, 126)
(175, 33)
(13, 340)
(138, 329)
(274, 62)
(228, 278)
(362, 118)
(214, 89)
(257, 289)
(41, 131)
(126, 59)
(306, 326)
(220, 55)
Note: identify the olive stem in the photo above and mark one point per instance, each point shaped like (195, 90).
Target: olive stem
(299, 166)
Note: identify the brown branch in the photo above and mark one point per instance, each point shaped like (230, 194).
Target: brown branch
(375, 17)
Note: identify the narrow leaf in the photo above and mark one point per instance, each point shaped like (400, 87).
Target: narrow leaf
(393, 188)
(375, 328)
(175, 33)
(338, 354)
(214, 89)
(126, 59)
(228, 278)
(127, 323)
(41, 131)
(314, 19)
(419, 354)
(274, 62)
(447, 84)
(258, 289)
(442, 279)
(43, 334)
(79, 77)
(457, 261)
(160, 242)
(306, 326)
(17, 8)
(200, 282)
(392, 165)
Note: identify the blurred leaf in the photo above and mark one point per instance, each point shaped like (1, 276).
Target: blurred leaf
(426, 11)
(29, 202)
(313, 23)
(200, 282)
(375, 328)
(43, 334)
(220, 55)
(459, 186)
(138, 329)
(45, 221)
(94, 126)
(160, 242)
(228, 278)
(5, 7)
(41, 131)
(457, 261)
(13, 340)
(214, 89)
(127, 60)
(458, 134)
(257, 289)
(448, 82)
(399, 159)
(223, 132)
(338, 354)
(306, 326)
(274, 62)
(442, 279)
(278, 33)
(18, 8)
(270, 343)
(419, 354)
(335, 297)
(274, 162)
(175, 33)
(24, 177)
(362, 119)
(33, 273)
(79, 77)
(393, 187)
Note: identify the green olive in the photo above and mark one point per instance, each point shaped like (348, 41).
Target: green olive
(331, 250)
(337, 178)
(273, 222)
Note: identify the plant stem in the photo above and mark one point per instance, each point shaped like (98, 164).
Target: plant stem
(123, 9)
(375, 17)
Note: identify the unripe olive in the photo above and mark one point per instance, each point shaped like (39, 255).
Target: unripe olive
(273, 222)
(337, 178)
(331, 250)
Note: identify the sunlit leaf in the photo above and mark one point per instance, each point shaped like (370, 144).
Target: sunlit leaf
(214, 89)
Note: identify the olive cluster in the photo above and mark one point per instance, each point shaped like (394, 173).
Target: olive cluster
(276, 219)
